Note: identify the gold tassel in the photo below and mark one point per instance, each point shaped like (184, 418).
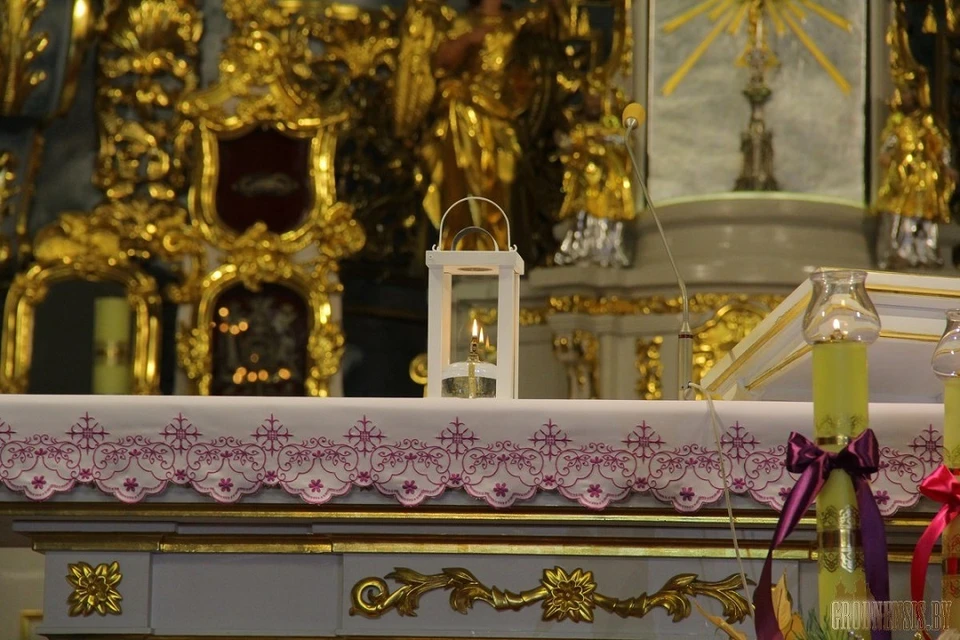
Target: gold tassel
(930, 22)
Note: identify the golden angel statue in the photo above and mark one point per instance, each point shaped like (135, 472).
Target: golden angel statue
(598, 192)
(918, 179)
(462, 74)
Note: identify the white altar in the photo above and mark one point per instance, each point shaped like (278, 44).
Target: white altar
(295, 517)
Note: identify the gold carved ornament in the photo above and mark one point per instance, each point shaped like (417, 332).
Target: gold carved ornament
(77, 248)
(727, 328)
(257, 259)
(329, 224)
(563, 596)
(8, 190)
(917, 176)
(94, 589)
(267, 80)
(147, 58)
(649, 368)
(578, 351)
(735, 316)
(19, 49)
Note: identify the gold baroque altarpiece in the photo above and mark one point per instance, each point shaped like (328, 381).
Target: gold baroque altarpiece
(162, 141)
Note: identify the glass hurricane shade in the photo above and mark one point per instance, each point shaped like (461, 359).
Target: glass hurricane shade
(946, 357)
(840, 309)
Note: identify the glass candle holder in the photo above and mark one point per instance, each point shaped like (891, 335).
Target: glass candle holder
(473, 378)
(946, 357)
(840, 309)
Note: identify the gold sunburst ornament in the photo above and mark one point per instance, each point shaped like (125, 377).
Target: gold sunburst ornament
(783, 16)
(94, 589)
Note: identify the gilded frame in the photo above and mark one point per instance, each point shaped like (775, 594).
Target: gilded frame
(325, 208)
(30, 288)
(325, 343)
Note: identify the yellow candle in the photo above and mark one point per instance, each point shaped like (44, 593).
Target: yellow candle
(951, 535)
(111, 360)
(840, 397)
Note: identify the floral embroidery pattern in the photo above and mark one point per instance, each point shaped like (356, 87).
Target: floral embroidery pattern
(604, 466)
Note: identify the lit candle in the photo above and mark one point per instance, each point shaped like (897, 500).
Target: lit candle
(473, 357)
(840, 324)
(951, 535)
(111, 360)
(946, 364)
(473, 378)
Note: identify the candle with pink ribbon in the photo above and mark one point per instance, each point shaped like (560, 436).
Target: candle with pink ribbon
(834, 471)
(943, 486)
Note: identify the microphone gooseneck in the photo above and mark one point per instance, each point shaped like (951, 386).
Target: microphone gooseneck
(632, 116)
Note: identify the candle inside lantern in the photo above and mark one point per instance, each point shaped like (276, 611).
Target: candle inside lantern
(111, 335)
(473, 378)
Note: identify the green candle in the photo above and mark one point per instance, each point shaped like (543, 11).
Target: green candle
(111, 336)
(951, 535)
(840, 398)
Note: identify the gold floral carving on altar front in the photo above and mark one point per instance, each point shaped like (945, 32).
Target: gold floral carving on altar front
(94, 589)
(562, 595)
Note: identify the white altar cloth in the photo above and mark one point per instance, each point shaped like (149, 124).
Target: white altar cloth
(593, 452)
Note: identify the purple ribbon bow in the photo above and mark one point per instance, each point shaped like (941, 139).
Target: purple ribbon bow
(860, 459)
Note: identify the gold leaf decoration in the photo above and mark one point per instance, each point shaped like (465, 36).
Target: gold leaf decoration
(94, 589)
(790, 622)
(721, 624)
(563, 595)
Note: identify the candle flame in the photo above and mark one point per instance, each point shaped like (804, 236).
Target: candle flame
(475, 332)
(480, 336)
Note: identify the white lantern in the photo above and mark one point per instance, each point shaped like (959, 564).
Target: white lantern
(473, 377)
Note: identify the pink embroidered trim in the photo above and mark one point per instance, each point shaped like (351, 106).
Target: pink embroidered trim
(319, 468)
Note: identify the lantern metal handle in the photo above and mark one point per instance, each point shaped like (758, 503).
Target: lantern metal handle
(467, 231)
(506, 220)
